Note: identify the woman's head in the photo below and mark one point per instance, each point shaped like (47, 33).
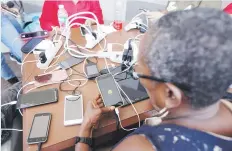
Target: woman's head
(191, 48)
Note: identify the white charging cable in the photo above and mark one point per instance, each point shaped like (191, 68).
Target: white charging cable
(10, 103)
(105, 43)
(9, 129)
(117, 111)
(29, 83)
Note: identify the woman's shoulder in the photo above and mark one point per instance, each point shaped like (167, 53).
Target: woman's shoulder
(167, 136)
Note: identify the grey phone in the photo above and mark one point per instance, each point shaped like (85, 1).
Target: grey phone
(68, 63)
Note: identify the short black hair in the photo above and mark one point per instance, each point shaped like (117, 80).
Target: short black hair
(193, 47)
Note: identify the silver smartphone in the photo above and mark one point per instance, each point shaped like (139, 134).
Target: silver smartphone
(109, 91)
(39, 128)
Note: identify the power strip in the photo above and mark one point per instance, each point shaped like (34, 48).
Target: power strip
(50, 53)
(91, 43)
(114, 56)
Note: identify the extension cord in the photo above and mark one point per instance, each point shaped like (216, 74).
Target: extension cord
(133, 24)
(114, 56)
(50, 54)
(91, 42)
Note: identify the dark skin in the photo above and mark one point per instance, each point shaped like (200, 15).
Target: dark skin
(217, 116)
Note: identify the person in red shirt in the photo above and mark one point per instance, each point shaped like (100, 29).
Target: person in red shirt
(49, 16)
(228, 9)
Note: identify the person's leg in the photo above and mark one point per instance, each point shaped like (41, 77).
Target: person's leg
(15, 23)
(10, 37)
(6, 72)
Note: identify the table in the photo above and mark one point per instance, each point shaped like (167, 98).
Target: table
(60, 136)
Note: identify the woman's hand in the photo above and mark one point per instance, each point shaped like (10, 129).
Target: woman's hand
(93, 112)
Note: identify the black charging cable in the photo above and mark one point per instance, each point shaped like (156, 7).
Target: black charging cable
(117, 121)
(39, 146)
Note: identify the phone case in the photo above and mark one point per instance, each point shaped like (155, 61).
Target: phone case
(31, 44)
(55, 77)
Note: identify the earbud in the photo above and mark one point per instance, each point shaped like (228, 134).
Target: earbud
(153, 121)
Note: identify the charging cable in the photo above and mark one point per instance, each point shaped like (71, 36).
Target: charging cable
(10, 103)
(39, 146)
(30, 83)
(23, 62)
(9, 129)
(117, 111)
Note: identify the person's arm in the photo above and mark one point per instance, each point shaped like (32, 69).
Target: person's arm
(85, 131)
(96, 9)
(49, 15)
(93, 113)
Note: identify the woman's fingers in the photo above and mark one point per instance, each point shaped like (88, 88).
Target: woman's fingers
(101, 105)
(99, 101)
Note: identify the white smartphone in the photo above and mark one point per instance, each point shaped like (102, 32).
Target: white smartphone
(73, 110)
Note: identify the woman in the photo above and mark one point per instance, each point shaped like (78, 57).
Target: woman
(191, 51)
(50, 9)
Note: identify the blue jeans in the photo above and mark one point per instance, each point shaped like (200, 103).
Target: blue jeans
(11, 30)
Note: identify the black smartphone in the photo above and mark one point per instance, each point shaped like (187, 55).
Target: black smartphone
(37, 98)
(109, 91)
(39, 128)
(27, 47)
(38, 34)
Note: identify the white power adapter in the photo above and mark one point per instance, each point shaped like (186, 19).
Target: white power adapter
(50, 50)
(91, 42)
(133, 24)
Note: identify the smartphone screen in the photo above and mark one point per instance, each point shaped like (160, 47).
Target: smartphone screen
(37, 98)
(73, 112)
(39, 128)
(109, 91)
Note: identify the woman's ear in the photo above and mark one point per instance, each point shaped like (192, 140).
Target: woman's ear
(173, 96)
